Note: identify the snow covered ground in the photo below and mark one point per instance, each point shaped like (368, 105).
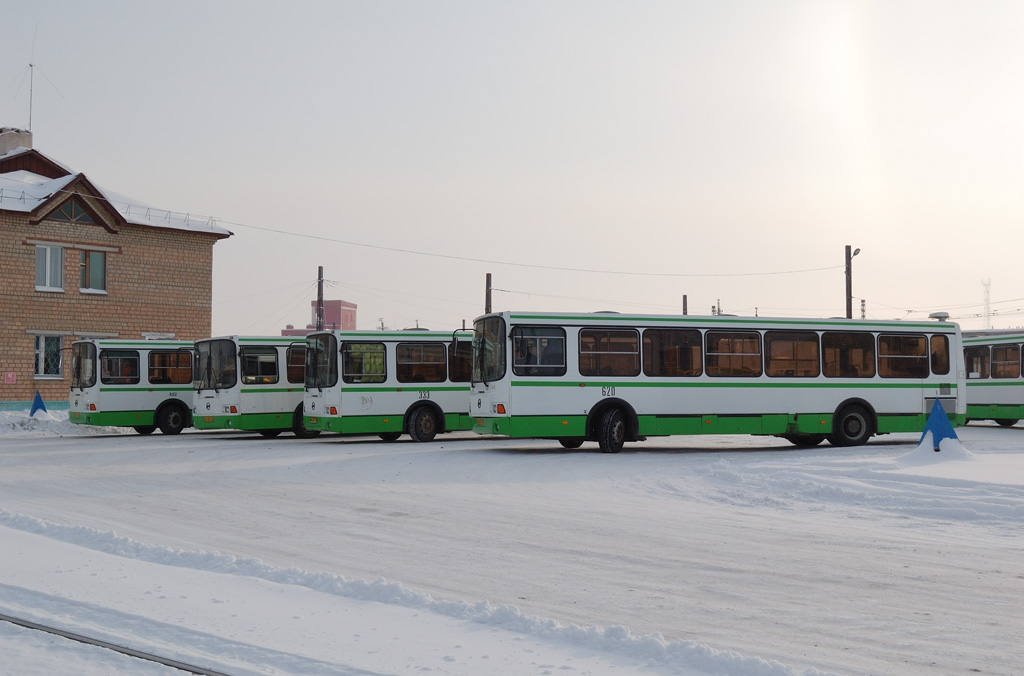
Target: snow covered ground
(468, 556)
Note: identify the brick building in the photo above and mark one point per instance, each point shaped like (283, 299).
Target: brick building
(80, 261)
(338, 314)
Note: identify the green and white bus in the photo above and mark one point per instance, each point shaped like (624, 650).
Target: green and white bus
(144, 384)
(995, 388)
(250, 383)
(613, 378)
(388, 382)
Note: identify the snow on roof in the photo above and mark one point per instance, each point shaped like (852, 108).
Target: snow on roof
(24, 191)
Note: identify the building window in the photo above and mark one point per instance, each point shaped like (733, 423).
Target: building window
(92, 271)
(49, 268)
(48, 357)
(73, 211)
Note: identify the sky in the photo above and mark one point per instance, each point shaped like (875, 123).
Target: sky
(589, 155)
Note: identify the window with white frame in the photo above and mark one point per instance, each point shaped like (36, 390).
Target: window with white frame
(48, 357)
(92, 275)
(49, 267)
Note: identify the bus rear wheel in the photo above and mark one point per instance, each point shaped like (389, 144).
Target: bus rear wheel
(851, 427)
(145, 429)
(611, 431)
(389, 436)
(172, 419)
(422, 424)
(1006, 422)
(571, 442)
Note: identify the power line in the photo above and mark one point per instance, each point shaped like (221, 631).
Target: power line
(469, 259)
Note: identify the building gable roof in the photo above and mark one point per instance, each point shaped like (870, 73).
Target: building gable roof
(34, 184)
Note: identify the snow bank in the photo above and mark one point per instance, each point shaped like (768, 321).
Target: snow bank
(50, 424)
(950, 449)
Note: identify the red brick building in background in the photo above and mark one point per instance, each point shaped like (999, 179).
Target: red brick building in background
(338, 314)
(80, 261)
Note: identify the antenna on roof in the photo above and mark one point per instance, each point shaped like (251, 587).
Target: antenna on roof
(31, 89)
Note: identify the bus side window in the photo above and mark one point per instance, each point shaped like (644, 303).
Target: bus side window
(940, 355)
(848, 354)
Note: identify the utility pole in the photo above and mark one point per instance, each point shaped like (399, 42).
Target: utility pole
(849, 280)
(320, 299)
(487, 296)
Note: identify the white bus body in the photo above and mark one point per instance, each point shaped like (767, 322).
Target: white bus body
(145, 384)
(995, 388)
(612, 378)
(251, 383)
(388, 382)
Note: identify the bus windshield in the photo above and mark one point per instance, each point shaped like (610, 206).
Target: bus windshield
(83, 365)
(321, 361)
(215, 365)
(488, 349)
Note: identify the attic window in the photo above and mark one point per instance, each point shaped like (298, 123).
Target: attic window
(73, 211)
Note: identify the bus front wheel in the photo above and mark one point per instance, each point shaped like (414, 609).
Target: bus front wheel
(389, 436)
(145, 429)
(571, 442)
(299, 428)
(852, 426)
(611, 431)
(1006, 422)
(422, 424)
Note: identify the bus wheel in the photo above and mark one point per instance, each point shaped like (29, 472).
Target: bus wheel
(804, 440)
(299, 428)
(571, 442)
(390, 436)
(611, 432)
(1006, 422)
(851, 427)
(269, 433)
(422, 424)
(171, 419)
(145, 429)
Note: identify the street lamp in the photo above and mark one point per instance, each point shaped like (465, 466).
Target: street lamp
(849, 280)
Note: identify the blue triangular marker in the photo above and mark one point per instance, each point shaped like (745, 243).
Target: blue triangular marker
(37, 405)
(938, 424)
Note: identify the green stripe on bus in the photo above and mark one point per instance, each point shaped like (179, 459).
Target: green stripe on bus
(643, 321)
(187, 387)
(270, 390)
(686, 425)
(408, 388)
(245, 421)
(112, 418)
(379, 424)
(732, 384)
(995, 411)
